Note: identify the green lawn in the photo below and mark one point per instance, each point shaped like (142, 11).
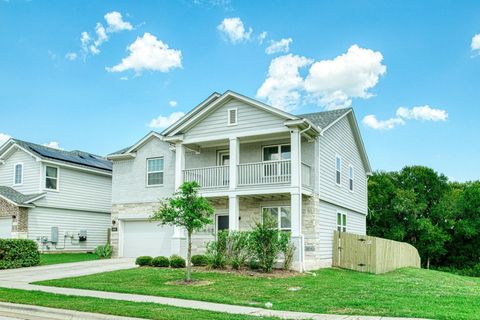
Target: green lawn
(55, 258)
(405, 292)
(113, 307)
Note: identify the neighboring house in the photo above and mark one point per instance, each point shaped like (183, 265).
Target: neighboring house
(61, 199)
(308, 171)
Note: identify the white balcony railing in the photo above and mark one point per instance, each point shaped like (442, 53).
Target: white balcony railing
(208, 177)
(267, 172)
(307, 177)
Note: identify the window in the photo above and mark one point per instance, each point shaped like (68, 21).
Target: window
(282, 214)
(278, 152)
(18, 174)
(338, 169)
(350, 177)
(232, 117)
(341, 222)
(154, 172)
(223, 158)
(51, 178)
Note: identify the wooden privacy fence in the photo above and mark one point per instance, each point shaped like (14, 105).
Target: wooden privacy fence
(372, 254)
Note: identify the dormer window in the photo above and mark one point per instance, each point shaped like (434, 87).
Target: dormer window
(18, 174)
(232, 117)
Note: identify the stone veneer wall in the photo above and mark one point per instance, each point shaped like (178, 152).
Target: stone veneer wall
(20, 223)
(311, 229)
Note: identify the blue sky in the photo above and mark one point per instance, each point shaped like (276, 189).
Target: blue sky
(145, 60)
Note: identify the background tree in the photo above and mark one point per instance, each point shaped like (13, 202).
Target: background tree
(185, 209)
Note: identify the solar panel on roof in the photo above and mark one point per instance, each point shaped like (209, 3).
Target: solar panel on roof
(92, 162)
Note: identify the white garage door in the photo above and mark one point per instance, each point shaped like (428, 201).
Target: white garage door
(143, 238)
(6, 227)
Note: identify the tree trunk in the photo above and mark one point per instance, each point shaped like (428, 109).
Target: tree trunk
(428, 262)
(188, 273)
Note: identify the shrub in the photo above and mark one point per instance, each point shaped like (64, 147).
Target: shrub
(16, 253)
(217, 251)
(199, 260)
(161, 262)
(265, 243)
(253, 264)
(238, 248)
(143, 261)
(177, 262)
(288, 249)
(104, 252)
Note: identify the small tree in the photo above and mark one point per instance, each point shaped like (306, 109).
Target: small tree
(185, 209)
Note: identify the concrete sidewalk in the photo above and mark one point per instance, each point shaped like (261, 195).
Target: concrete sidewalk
(12, 311)
(191, 304)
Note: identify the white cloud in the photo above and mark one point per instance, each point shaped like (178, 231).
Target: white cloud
(71, 56)
(261, 37)
(234, 30)
(124, 78)
(372, 122)
(115, 22)
(279, 46)
(53, 144)
(149, 53)
(475, 45)
(333, 83)
(4, 138)
(165, 121)
(172, 103)
(282, 87)
(422, 113)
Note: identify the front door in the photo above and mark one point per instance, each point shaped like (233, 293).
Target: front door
(222, 222)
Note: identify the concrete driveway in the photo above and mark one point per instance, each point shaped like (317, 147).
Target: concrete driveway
(65, 270)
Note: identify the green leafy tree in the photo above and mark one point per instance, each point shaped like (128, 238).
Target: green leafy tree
(185, 209)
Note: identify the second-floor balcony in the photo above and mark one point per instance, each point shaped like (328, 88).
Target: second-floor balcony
(277, 172)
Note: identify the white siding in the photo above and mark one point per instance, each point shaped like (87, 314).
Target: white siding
(79, 190)
(41, 220)
(31, 172)
(249, 119)
(339, 139)
(129, 176)
(356, 223)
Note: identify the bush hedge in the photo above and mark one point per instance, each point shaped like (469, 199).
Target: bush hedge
(16, 253)
(143, 261)
(199, 260)
(177, 262)
(160, 262)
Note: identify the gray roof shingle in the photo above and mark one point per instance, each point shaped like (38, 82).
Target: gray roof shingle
(80, 158)
(324, 118)
(17, 197)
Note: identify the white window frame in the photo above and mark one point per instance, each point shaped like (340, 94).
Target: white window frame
(338, 183)
(15, 174)
(351, 178)
(159, 171)
(221, 153)
(57, 178)
(279, 217)
(343, 226)
(279, 147)
(228, 117)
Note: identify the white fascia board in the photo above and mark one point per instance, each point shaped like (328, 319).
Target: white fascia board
(15, 145)
(239, 135)
(81, 168)
(9, 201)
(122, 156)
(133, 216)
(143, 140)
(36, 198)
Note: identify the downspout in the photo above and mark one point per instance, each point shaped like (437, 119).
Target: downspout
(300, 156)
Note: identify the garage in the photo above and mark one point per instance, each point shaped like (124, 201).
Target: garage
(144, 238)
(5, 227)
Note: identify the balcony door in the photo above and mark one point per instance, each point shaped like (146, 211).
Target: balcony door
(223, 158)
(275, 162)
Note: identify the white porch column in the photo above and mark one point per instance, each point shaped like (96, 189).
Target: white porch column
(179, 237)
(296, 199)
(233, 213)
(179, 164)
(234, 160)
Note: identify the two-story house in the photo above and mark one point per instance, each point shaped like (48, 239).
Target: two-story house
(61, 199)
(308, 171)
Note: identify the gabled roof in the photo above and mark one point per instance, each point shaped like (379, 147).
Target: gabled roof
(76, 157)
(216, 100)
(325, 118)
(18, 198)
